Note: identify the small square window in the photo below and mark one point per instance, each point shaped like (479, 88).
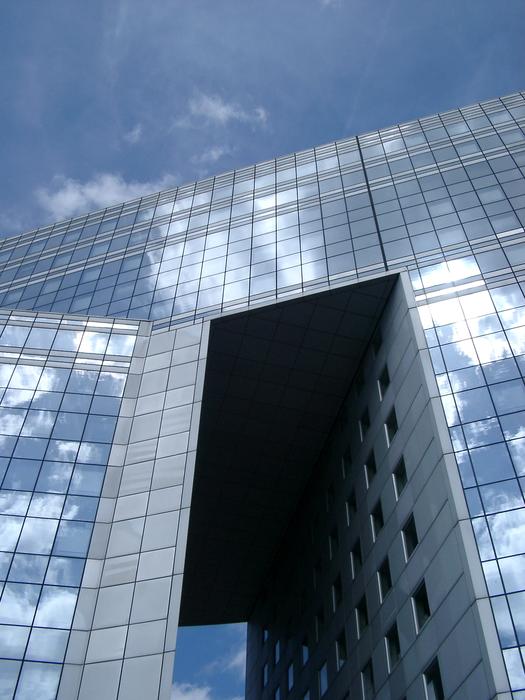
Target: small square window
(377, 341)
(317, 575)
(346, 463)
(330, 498)
(370, 468)
(356, 558)
(290, 677)
(384, 578)
(305, 652)
(341, 652)
(359, 381)
(333, 543)
(383, 382)
(391, 426)
(400, 477)
(410, 538)
(277, 652)
(393, 647)
(361, 615)
(377, 520)
(265, 634)
(323, 679)
(433, 683)
(337, 593)
(367, 681)
(364, 424)
(421, 606)
(351, 507)
(319, 624)
(265, 675)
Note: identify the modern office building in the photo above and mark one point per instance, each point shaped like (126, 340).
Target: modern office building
(291, 394)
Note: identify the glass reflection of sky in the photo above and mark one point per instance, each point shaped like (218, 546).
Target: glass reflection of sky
(478, 357)
(56, 428)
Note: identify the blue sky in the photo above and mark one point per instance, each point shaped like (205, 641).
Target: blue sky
(106, 100)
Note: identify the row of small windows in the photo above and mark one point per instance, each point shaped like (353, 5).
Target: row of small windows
(391, 425)
(377, 521)
(384, 578)
(420, 604)
(421, 611)
(432, 676)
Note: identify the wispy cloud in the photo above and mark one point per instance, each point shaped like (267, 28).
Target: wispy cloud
(188, 691)
(133, 135)
(234, 661)
(213, 109)
(66, 197)
(211, 155)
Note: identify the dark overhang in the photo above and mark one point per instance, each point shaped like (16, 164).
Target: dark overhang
(275, 380)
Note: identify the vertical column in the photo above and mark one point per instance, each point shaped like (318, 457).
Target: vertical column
(126, 621)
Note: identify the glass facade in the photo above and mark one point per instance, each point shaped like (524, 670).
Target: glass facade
(61, 385)
(441, 198)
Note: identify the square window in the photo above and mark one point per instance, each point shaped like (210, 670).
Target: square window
(361, 615)
(384, 578)
(330, 498)
(356, 558)
(305, 652)
(346, 463)
(359, 381)
(410, 538)
(319, 624)
(290, 677)
(383, 382)
(333, 543)
(391, 426)
(367, 681)
(265, 675)
(420, 605)
(323, 679)
(377, 341)
(337, 593)
(400, 477)
(277, 652)
(341, 652)
(364, 424)
(393, 647)
(433, 683)
(377, 520)
(370, 468)
(350, 507)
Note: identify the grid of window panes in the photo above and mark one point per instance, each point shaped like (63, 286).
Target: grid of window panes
(477, 343)
(438, 186)
(61, 382)
(443, 197)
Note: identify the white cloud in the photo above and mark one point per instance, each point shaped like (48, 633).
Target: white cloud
(67, 197)
(234, 661)
(211, 155)
(133, 135)
(213, 109)
(188, 691)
